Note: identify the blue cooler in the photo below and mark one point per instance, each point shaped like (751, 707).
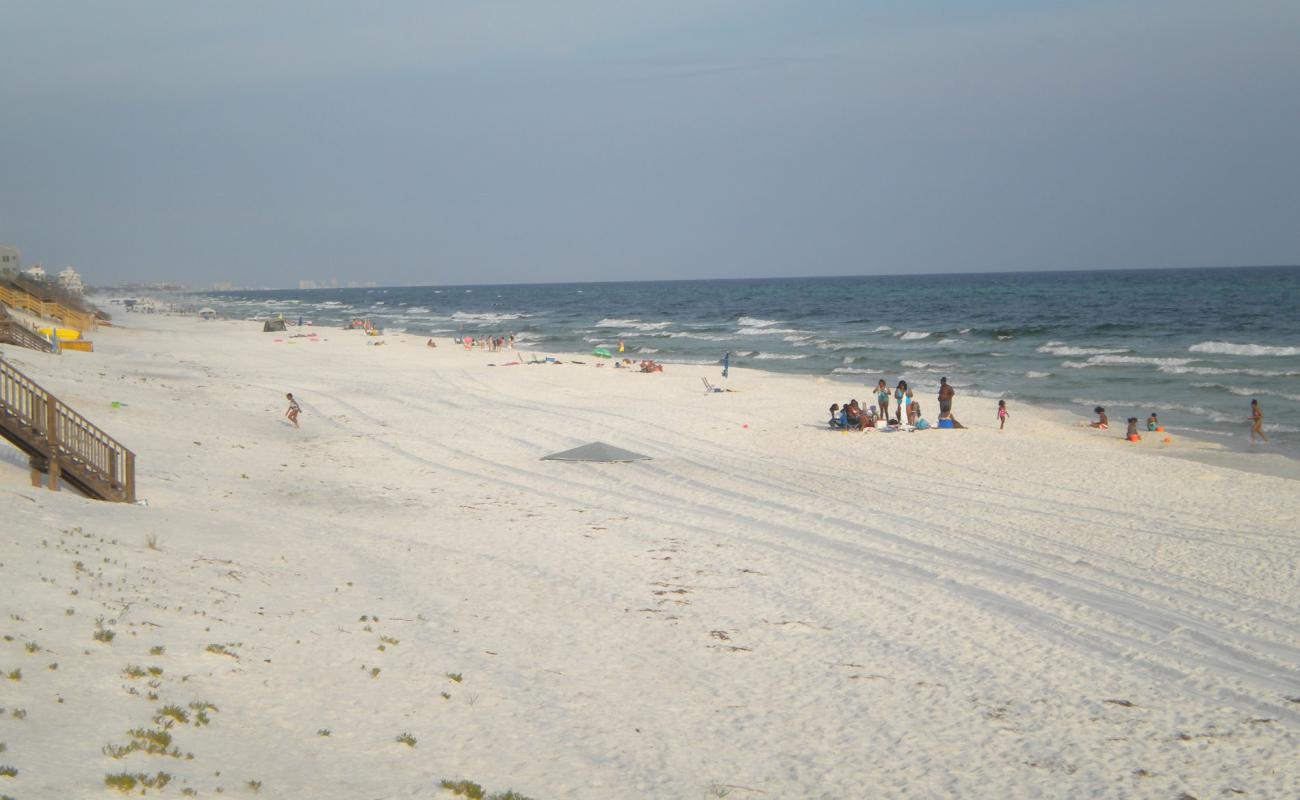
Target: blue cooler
(945, 423)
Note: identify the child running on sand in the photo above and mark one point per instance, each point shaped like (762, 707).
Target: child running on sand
(1002, 414)
(1256, 421)
(294, 409)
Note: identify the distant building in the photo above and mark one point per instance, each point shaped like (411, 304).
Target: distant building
(223, 286)
(36, 272)
(9, 258)
(70, 280)
(306, 284)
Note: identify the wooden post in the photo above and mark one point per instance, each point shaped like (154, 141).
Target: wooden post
(52, 439)
(130, 477)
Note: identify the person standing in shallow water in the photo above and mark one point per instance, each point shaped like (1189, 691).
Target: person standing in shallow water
(1256, 421)
(294, 409)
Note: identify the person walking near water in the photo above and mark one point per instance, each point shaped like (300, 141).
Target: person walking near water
(945, 399)
(294, 409)
(1256, 421)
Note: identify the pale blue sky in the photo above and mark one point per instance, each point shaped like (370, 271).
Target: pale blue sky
(465, 142)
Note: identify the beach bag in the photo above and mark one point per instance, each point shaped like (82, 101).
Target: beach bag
(922, 425)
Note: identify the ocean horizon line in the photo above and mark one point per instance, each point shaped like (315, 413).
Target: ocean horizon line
(781, 278)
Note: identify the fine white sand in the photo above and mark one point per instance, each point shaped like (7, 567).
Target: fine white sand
(765, 610)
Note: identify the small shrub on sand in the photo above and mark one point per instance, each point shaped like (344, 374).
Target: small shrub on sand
(455, 677)
(254, 786)
(323, 732)
(406, 739)
(157, 650)
(472, 791)
(170, 715)
(15, 675)
(132, 671)
(103, 634)
(8, 772)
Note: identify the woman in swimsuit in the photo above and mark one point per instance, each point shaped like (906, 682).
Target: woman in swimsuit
(1256, 421)
(882, 398)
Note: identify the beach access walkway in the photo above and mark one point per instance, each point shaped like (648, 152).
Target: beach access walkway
(62, 443)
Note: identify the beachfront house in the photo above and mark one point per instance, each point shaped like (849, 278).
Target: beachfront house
(71, 281)
(36, 272)
(9, 258)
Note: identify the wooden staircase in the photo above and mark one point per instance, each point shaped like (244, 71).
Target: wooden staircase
(14, 332)
(61, 442)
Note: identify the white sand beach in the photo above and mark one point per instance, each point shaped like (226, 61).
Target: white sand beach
(767, 609)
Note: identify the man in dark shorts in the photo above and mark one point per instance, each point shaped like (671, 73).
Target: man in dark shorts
(945, 399)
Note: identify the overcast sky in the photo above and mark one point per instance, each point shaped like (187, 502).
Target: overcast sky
(480, 141)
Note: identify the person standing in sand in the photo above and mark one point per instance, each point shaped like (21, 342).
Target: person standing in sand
(1002, 414)
(1256, 421)
(294, 409)
(945, 399)
(882, 398)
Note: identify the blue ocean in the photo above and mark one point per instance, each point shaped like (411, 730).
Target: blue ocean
(1194, 346)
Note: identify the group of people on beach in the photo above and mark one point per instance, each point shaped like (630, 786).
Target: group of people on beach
(491, 344)
(907, 409)
(1153, 423)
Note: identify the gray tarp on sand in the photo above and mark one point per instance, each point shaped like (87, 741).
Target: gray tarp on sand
(596, 451)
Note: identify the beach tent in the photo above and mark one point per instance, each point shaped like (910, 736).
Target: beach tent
(273, 325)
(596, 451)
(207, 313)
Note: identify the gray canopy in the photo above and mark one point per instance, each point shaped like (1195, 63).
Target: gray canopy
(596, 451)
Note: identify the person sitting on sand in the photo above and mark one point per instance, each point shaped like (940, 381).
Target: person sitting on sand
(430, 343)
(1102, 422)
(1152, 422)
(1256, 421)
(853, 416)
(1132, 433)
(650, 366)
(837, 419)
(294, 409)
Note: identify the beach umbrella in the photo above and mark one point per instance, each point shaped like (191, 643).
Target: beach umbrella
(596, 451)
(601, 352)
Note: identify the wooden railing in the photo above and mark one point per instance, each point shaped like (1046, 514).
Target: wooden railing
(75, 445)
(16, 298)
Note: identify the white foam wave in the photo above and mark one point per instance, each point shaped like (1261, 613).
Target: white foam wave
(705, 336)
(1127, 361)
(418, 310)
(1258, 373)
(780, 356)
(1033, 374)
(926, 364)
(1242, 391)
(947, 341)
(755, 322)
(1062, 349)
(633, 323)
(912, 336)
(463, 316)
(853, 371)
(767, 331)
(881, 329)
(647, 350)
(796, 338)
(1231, 349)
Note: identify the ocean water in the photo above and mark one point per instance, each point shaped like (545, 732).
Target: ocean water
(1192, 345)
